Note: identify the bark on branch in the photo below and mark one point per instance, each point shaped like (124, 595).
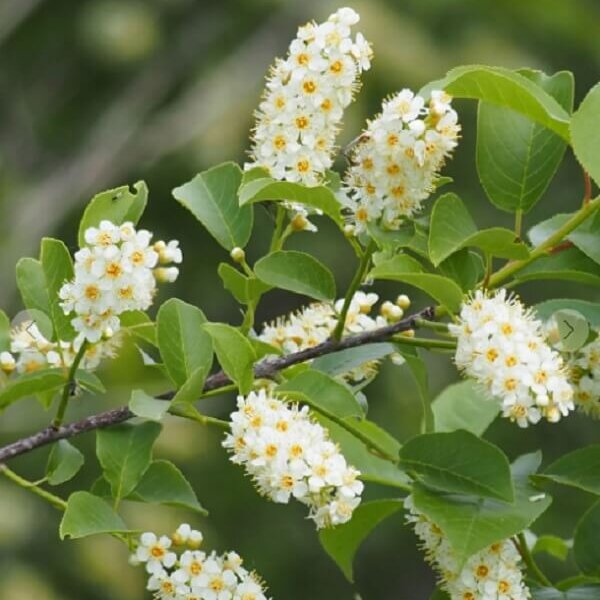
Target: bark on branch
(266, 369)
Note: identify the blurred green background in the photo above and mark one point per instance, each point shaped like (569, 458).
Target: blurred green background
(98, 93)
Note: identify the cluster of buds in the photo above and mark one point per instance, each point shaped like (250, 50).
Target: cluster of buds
(397, 159)
(115, 272)
(179, 570)
(502, 345)
(289, 455)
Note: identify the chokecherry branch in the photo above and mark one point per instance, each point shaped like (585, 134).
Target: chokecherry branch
(266, 369)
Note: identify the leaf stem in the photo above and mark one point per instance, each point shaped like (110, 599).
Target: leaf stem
(425, 324)
(529, 561)
(277, 232)
(354, 285)
(546, 246)
(587, 188)
(68, 387)
(424, 342)
(218, 391)
(518, 223)
(205, 420)
(34, 488)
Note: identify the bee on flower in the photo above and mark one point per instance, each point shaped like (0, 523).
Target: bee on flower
(289, 455)
(398, 157)
(493, 573)
(116, 272)
(502, 345)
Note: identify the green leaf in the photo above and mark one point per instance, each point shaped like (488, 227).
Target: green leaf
(585, 543)
(516, 157)
(4, 332)
(87, 514)
(506, 88)
(464, 406)
(372, 467)
(323, 393)
(584, 592)
(552, 545)
(452, 228)
(465, 267)
(458, 462)
(579, 469)
(342, 542)
(139, 324)
(125, 452)
(164, 483)
(38, 382)
(118, 206)
(439, 594)
(64, 462)
(90, 382)
(297, 272)
(58, 269)
(407, 270)
(585, 237)
(585, 133)
(245, 290)
(573, 329)
(471, 523)
(146, 406)
(31, 282)
(568, 265)
(344, 361)
(212, 198)
(235, 354)
(258, 187)
(183, 343)
(590, 310)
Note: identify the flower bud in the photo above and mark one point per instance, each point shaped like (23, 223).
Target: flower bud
(166, 274)
(403, 301)
(409, 333)
(349, 231)
(391, 312)
(238, 255)
(299, 222)
(7, 362)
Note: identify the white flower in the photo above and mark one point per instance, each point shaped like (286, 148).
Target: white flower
(289, 455)
(491, 574)
(115, 273)
(315, 323)
(194, 575)
(306, 94)
(397, 159)
(502, 345)
(154, 551)
(7, 362)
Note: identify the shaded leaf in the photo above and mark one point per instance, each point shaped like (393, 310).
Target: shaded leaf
(143, 405)
(585, 133)
(64, 462)
(87, 514)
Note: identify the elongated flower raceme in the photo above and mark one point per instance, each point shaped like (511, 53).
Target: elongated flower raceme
(502, 345)
(289, 455)
(398, 157)
(491, 574)
(31, 351)
(315, 323)
(115, 272)
(178, 570)
(306, 94)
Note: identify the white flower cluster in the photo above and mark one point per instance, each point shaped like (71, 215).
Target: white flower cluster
(315, 323)
(491, 574)
(397, 159)
(289, 455)
(193, 574)
(305, 97)
(31, 351)
(501, 345)
(116, 272)
(585, 377)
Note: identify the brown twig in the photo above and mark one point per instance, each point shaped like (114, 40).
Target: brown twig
(266, 369)
(587, 190)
